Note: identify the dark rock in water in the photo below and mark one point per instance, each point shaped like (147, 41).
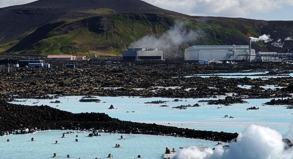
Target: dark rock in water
(288, 101)
(196, 105)
(182, 107)
(156, 102)
(227, 101)
(111, 107)
(290, 107)
(17, 117)
(56, 101)
(89, 98)
(252, 108)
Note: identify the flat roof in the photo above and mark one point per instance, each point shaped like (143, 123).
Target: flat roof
(59, 56)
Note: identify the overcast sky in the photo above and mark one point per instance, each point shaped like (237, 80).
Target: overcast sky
(252, 9)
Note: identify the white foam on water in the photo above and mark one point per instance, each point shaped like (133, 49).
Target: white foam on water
(255, 142)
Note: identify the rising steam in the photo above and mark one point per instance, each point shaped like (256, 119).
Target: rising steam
(170, 41)
(265, 38)
(256, 142)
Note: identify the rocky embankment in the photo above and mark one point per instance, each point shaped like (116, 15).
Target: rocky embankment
(152, 79)
(227, 101)
(25, 119)
(287, 102)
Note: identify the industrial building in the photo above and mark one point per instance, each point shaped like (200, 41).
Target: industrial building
(142, 54)
(267, 57)
(219, 53)
(31, 62)
(61, 57)
(35, 65)
(273, 57)
(80, 57)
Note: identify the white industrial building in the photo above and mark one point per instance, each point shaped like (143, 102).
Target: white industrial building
(219, 53)
(273, 57)
(268, 57)
(142, 54)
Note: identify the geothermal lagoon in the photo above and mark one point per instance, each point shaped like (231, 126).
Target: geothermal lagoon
(261, 131)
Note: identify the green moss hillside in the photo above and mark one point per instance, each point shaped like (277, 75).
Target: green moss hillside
(102, 35)
(107, 27)
(108, 33)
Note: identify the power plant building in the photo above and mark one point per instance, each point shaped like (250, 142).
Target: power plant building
(219, 53)
(61, 57)
(143, 54)
(273, 57)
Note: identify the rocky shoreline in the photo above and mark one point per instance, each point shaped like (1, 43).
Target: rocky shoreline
(18, 119)
(171, 79)
(154, 79)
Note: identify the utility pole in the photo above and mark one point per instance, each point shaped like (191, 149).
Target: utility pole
(8, 66)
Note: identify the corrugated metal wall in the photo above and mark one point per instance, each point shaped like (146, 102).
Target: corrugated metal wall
(218, 53)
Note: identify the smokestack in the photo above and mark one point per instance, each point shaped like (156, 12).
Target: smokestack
(265, 38)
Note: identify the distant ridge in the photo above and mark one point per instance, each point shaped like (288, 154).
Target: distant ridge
(119, 6)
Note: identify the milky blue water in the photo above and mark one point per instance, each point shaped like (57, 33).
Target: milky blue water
(251, 75)
(43, 146)
(205, 117)
(261, 131)
(272, 87)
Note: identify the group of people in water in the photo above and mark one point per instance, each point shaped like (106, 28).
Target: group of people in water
(117, 146)
(76, 140)
(68, 156)
(168, 151)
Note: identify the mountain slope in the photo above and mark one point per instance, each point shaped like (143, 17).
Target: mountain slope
(92, 35)
(18, 20)
(107, 27)
(119, 6)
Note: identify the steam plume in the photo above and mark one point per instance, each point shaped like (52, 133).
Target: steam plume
(265, 38)
(170, 41)
(256, 142)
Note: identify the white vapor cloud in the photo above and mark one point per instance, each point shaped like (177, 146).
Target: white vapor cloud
(265, 38)
(170, 41)
(255, 142)
(6, 3)
(226, 8)
(288, 39)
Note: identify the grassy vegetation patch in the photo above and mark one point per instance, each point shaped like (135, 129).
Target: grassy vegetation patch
(101, 11)
(6, 46)
(251, 30)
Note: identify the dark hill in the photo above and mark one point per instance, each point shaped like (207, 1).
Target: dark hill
(106, 27)
(119, 6)
(18, 20)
